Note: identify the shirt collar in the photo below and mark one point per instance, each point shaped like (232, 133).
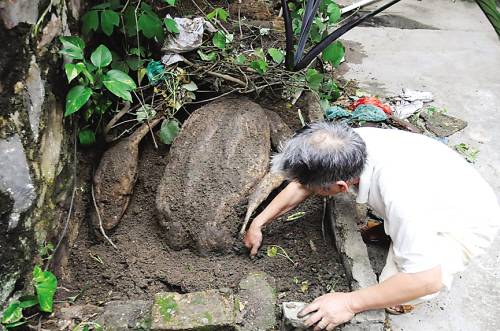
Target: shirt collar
(365, 182)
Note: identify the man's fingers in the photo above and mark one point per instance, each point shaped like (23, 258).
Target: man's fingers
(308, 309)
(254, 250)
(314, 318)
(331, 326)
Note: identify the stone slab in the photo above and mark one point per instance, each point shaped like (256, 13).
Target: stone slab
(256, 302)
(207, 310)
(125, 315)
(290, 321)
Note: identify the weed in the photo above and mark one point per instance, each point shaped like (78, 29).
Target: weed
(275, 250)
(45, 284)
(470, 153)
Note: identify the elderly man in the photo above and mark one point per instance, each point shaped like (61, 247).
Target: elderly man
(438, 211)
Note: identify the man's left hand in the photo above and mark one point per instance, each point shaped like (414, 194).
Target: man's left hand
(328, 311)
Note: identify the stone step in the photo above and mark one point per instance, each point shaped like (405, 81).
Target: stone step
(207, 310)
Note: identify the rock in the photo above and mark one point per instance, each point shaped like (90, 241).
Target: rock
(441, 124)
(125, 315)
(311, 106)
(36, 94)
(52, 139)
(257, 302)
(78, 312)
(14, 12)
(15, 178)
(354, 256)
(207, 310)
(219, 157)
(50, 31)
(290, 320)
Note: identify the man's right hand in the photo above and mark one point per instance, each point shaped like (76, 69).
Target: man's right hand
(253, 239)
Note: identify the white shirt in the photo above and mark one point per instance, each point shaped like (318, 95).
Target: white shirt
(425, 192)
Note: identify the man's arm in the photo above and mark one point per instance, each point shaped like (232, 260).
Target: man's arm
(338, 308)
(293, 194)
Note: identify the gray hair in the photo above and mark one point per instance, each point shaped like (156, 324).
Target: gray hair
(321, 154)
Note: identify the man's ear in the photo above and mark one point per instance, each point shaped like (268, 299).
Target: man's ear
(342, 186)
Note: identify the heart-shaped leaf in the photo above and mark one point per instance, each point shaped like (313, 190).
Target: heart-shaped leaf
(109, 19)
(76, 98)
(169, 130)
(71, 71)
(171, 25)
(276, 54)
(101, 57)
(72, 47)
(334, 53)
(90, 21)
(45, 286)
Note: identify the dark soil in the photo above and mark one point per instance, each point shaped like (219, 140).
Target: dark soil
(143, 264)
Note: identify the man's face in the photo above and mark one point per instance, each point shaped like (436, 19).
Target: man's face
(332, 189)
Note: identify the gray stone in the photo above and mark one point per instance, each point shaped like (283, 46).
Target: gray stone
(290, 320)
(257, 301)
(207, 310)
(354, 255)
(15, 178)
(51, 143)
(36, 95)
(14, 12)
(349, 243)
(310, 104)
(442, 125)
(125, 315)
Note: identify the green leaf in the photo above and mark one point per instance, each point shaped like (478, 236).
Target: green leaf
(119, 83)
(169, 130)
(86, 137)
(45, 286)
(272, 251)
(212, 56)
(12, 314)
(28, 301)
(219, 40)
(101, 57)
(150, 25)
(134, 62)
(137, 51)
(90, 22)
(145, 113)
(121, 77)
(170, 2)
(109, 19)
(334, 53)
(277, 55)
(314, 79)
(71, 71)
(219, 13)
(120, 65)
(77, 97)
(259, 65)
(171, 25)
(72, 47)
(240, 59)
(81, 67)
(129, 21)
(104, 5)
(334, 13)
(191, 87)
(16, 324)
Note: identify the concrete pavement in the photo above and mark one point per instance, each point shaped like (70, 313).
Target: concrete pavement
(448, 48)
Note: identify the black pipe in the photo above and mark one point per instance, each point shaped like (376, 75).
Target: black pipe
(311, 55)
(289, 36)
